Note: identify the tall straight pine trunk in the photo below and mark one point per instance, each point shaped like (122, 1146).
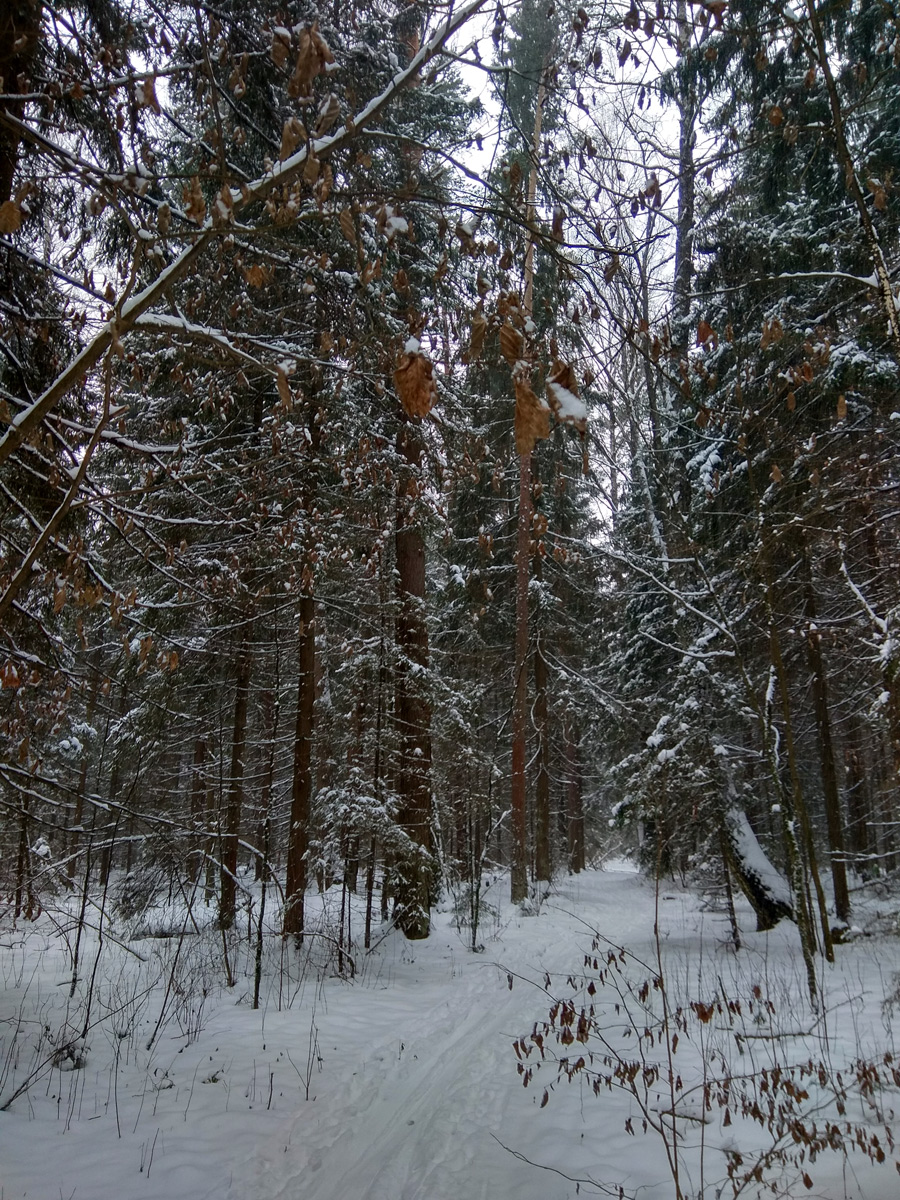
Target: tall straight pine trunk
(301, 788)
(235, 793)
(833, 816)
(302, 782)
(518, 785)
(518, 797)
(542, 774)
(413, 869)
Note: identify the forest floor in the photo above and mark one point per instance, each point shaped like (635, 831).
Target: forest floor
(403, 1084)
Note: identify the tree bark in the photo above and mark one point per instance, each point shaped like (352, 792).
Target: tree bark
(301, 789)
(235, 794)
(768, 893)
(269, 707)
(833, 816)
(198, 800)
(413, 870)
(542, 779)
(574, 802)
(20, 30)
(76, 829)
(684, 223)
(519, 866)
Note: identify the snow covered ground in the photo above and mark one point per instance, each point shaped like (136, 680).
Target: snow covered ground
(405, 1085)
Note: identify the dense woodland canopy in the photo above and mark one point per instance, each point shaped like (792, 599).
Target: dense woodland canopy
(448, 436)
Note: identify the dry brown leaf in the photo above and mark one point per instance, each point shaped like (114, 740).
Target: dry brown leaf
(775, 115)
(414, 381)
(284, 388)
(311, 170)
(772, 333)
(776, 473)
(237, 79)
(10, 217)
(291, 135)
(841, 407)
(281, 44)
(706, 334)
(312, 57)
(163, 218)
(257, 276)
(348, 227)
(194, 202)
(476, 341)
(145, 94)
(223, 209)
(512, 344)
(329, 111)
(532, 420)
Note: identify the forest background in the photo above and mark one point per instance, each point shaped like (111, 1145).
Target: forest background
(398, 485)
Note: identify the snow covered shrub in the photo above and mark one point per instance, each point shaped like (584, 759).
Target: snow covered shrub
(734, 1075)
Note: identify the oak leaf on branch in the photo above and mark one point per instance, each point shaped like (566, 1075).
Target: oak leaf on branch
(313, 55)
(291, 135)
(532, 420)
(512, 344)
(414, 381)
(476, 340)
(10, 217)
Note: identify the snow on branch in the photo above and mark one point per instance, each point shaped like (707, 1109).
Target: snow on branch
(129, 312)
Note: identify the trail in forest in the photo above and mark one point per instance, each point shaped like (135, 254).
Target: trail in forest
(427, 1104)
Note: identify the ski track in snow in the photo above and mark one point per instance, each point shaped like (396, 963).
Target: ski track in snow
(417, 1095)
(421, 1124)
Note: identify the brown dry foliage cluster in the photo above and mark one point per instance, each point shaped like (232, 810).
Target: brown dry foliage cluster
(414, 381)
(532, 421)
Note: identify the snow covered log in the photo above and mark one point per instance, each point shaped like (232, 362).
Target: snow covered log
(763, 885)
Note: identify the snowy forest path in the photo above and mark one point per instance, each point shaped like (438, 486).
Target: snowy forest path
(426, 1098)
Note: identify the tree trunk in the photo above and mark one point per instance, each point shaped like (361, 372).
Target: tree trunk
(23, 898)
(75, 831)
(768, 892)
(235, 796)
(518, 876)
(833, 816)
(684, 223)
(542, 780)
(519, 866)
(301, 792)
(20, 30)
(269, 707)
(574, 803)
(198, 801)
(859, 806)
(413, 870)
